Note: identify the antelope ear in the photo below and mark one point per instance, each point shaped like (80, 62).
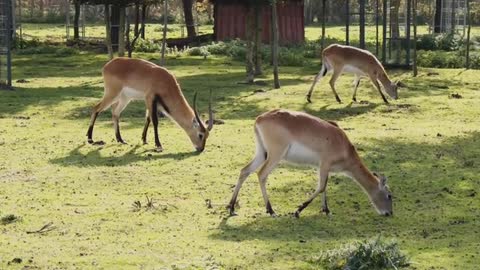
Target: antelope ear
(195, 123)
(383, 180)
(400, 84)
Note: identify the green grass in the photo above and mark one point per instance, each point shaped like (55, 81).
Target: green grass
(57, 32)
(153, 31)
(426, 143)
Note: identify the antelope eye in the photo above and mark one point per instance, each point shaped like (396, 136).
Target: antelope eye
(200, 136)
(389, 196)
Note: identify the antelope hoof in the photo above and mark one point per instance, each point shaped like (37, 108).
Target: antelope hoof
(145, 142)
(308, 99)
(296, 214)
(273, 215)
(121, 141)
(159, 149)
(386, 101)
(354, 99)
(326, 211)
(232, 213)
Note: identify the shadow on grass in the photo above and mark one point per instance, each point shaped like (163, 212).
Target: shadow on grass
(94, 158)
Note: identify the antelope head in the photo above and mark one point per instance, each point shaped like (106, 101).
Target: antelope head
(199, 133)
(381, 197)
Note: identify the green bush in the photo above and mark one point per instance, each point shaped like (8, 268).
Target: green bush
(145, 45)
(44, 49)
(448, 42)
(426, 42)
(198, 51)
(371, 254)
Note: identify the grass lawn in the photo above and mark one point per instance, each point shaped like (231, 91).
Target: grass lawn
(427, 143)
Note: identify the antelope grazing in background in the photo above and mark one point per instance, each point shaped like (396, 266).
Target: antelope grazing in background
(304, 139)
(128, 79)
(340, 59)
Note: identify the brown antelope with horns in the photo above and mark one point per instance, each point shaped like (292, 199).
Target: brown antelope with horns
(304, 139)
(339, 59)
(127, 79)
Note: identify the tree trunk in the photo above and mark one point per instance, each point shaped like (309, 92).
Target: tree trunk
(32, 8)
(437, 28)
(275, 44)
(189, 22)
(108, 35)
(250, 36)
(137, 18)
(324, 14)
(165, 22)
(114, 25)
(144, 17)
(76, 32)
(394, 12)
(41, 8)
(258, 40)
(121, 32)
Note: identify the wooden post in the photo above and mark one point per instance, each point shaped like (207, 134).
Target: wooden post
(258, 40)
(347, 22)
(324, 14)
(362, 23)
(469, 21)
(165, 22)
(250, 37)
(275, 44)
(121, 32)
(415, 71)
(108, 35)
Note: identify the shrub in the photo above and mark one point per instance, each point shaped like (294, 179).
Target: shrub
(426, 42)
(371, 254)
(198, 51)
(448, 42)
(145, 45)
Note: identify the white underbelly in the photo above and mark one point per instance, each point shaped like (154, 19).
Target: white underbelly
(353, 70)
(299, 154)
(132, 93)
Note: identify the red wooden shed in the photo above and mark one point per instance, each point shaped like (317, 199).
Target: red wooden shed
(230, 20)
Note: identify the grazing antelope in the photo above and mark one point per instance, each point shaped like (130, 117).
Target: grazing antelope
(304, 139)
(129, 79)
(340, 59)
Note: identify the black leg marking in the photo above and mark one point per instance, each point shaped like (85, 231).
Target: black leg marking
(117, 134)
(145, 129)
(90, 129)
(301, 207)
(270, 209)
(158, 145)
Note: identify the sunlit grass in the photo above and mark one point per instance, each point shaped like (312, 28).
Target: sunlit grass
(427, 143)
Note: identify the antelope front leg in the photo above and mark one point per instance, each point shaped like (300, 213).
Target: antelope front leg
(322, 185)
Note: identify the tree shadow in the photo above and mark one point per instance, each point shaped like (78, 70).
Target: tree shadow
(94, 158)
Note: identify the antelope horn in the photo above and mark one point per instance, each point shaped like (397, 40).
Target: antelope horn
(210, 112)
(195, 109)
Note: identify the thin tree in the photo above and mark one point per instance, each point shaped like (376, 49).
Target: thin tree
(275, 44)
(324, 15)
(76, 19)
(469, 21)
(121, 32)
(108, 35)
(189, 22)
(250, 36)
(258, 40)
(165, 23)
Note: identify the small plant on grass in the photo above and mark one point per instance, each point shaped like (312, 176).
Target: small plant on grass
(8, 219)
(368, 254)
